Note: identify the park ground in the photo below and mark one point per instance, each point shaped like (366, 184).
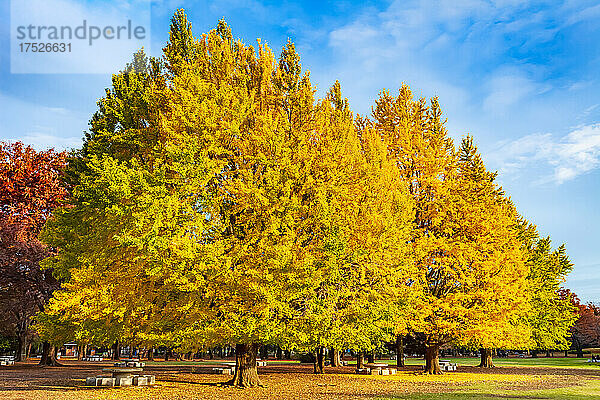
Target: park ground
(552, 378)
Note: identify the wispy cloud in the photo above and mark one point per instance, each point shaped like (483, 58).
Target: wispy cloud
(42, 126)
(568, 157)
(507, 87)
(43, 141)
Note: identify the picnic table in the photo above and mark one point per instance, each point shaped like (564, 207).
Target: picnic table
(447, 365)
(376, 365)
(123, 372)
(7, 360)
(376, 369)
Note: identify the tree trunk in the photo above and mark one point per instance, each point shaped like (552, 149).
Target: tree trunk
(246, 373)
(48, 358)
(566, 353)
(371, 357)
(28, 350)
(319, 364)
(167, 354)
(360, 360)
(336, 359)
(279, 353)
(264, 352)
(21, 348)
(548, 353)
(400, 351)
(486, 359)
(534, 353)
(150, 355)
(116, 353)
(579, 352)
(432, 359)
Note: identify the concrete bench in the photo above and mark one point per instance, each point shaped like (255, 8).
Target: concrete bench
(7, 360)
(129, 364)
(134, 380)
(93, 358)
(376, 369)
(123, 372)
(224, 370)
(446, 365)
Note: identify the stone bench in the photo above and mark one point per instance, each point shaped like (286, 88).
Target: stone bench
(129, 364)
(446, 365)
(7, 360)
(224, 370)
(118, 373)
(93, 358)
(134, 380)
(377, 371)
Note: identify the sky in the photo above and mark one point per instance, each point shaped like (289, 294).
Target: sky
(521, 77)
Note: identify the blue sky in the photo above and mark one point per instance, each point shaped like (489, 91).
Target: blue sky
(522, 77)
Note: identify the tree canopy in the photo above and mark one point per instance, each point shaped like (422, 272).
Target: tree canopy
(216, 200)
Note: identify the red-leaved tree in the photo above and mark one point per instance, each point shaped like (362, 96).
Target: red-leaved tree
(31, 187)
(586, 331)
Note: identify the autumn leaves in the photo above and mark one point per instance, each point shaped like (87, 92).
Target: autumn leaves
(217, 201)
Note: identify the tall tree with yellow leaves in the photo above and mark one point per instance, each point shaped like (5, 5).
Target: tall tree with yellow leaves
(455, 236)
(490, 230)
(204, 207)
(362, 274)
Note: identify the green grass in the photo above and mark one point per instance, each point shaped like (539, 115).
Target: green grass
(213, 362)
(589, 390)
(543, 362)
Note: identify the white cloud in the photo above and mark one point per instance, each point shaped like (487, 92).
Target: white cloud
(506, 89)
(102, 37)
(568, 157)
(41, 126)
(43, 141)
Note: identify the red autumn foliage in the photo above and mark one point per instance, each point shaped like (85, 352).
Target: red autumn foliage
(30, 188)
(586, 331)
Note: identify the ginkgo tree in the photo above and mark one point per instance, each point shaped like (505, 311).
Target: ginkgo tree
(470, 271)
(216, 201)
(203, 208)
(363, 272)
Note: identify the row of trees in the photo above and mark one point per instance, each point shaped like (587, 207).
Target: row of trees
(217, 201)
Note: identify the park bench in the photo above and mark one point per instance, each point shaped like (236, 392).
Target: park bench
(446, 365)
(228, 368)
(93, 358)
(124, 373)
(7, 360)
(376, 369)
(224, 370)
(130, 363)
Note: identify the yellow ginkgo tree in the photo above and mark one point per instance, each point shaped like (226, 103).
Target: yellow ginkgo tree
(470, 271)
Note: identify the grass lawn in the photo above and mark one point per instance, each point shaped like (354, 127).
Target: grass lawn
(557, 362)
(521, 379)
(590, 389)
